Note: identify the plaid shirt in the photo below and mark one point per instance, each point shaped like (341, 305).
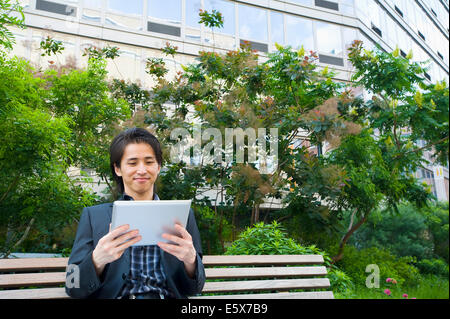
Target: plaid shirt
(146, 269)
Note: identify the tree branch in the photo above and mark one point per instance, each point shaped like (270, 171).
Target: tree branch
(347, 236)
(12, 185)
(424, 147)
(25, 234)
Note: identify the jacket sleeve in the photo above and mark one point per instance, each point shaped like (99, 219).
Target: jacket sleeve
(81, 277)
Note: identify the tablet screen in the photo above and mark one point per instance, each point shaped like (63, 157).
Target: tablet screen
(152, 218)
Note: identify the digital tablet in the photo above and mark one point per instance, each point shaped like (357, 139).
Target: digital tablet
(151, 217)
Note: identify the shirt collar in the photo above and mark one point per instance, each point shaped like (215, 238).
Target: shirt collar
(128, 197)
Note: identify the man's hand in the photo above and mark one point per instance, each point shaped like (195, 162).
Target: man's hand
(184, 249)
(111, 246)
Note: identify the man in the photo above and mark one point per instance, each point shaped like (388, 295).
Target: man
(108, 266)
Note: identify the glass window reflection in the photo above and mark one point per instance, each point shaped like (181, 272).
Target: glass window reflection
(192, 10)
(329, 38)
(227, 10)
(304, 2)
(93, 4)
(127, 15)
(276, 27)
(169, 10)
(128, 7)
(299, 32)
(252, 23)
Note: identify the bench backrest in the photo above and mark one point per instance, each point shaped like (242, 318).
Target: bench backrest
(254, 276)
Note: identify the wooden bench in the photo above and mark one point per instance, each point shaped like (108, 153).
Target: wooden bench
(228, 277)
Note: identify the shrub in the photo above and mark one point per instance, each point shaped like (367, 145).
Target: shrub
(403, 234)
(436, 267)
(271, 239)
(355, 261)
(340, 281)
(422, 233)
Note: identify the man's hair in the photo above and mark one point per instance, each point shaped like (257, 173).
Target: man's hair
(133, 135)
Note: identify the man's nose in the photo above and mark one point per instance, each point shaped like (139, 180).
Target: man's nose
(141, 168)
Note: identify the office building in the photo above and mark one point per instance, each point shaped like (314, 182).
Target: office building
(140, 28)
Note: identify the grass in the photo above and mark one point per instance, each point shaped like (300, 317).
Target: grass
(429, 287)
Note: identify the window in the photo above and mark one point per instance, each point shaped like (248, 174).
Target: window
(127, 7)
(276, 27)
(303, 2)
(299, 32)
(398, 11)
(224, 36)
(404, 40)
(167, 10)
(421, 35)
(92, 11)
(93, 4)
(328, 38)
(347, 7)
(227, 10)
(349, 35)
(332, 5)
(252, 23)
(375, 16)
(126, 15)
(391, 35)
(192, 10)
(58, 8)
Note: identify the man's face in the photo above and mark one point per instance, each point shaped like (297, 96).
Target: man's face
(138, 169)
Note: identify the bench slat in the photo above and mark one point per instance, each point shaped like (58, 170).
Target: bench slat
(236, 260)
(260, 285)
(43, 293)
(32, 279)
(32, 264)
(261, 272)
(35, 264)
(279, 295)
(57, 278)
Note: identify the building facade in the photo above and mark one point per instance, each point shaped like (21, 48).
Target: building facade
(141, 28)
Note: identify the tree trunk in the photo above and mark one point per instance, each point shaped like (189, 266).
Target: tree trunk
(233, 222)
(252, 218)
(257, 213)
(222, 244)
(346, 237)
(10, 187)
(24, 236)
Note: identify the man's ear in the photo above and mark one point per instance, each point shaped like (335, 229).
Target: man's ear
(117, 170)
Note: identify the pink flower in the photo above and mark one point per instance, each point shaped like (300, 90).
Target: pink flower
(387, 292)
(413, 298)
(388, 279)
(405, 296)
(394, 281)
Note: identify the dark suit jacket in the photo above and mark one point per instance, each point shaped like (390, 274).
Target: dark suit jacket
(93, 225)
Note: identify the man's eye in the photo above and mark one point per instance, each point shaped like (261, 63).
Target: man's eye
(150, 162)
(132, 163)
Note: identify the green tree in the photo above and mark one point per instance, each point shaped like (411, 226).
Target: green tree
(379, 162)
(51, 120)
(33, 149)
(235, 90)
(84, 96)
(404, 233)
(11, 14)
